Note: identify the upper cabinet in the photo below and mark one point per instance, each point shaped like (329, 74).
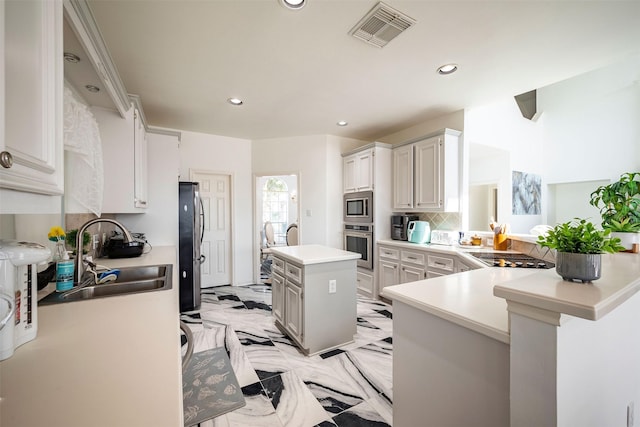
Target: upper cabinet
(358, 171)
(32, 148)
(125, 165)
(426, 173)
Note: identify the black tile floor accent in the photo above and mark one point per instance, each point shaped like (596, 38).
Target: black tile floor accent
(348, 387)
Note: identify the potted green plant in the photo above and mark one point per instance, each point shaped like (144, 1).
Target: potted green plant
(619, 204)
(71, 240)
(579, 247)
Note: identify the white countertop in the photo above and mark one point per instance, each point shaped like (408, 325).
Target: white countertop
(477, 299)
(546, 289)
(313, 254)
(111, 361)
(465, 299)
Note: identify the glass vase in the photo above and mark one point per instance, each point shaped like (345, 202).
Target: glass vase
(59, 251)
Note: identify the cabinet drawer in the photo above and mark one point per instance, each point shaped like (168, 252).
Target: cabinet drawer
(364, 283)
(413, 257)
(388, 253)
(278, 265)
(293, 272)
(441, 263)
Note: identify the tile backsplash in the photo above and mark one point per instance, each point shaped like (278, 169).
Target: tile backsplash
(442, 220)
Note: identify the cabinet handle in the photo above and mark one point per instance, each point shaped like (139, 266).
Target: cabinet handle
(6, 159)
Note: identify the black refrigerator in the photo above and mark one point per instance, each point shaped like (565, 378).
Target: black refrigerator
(191, 229)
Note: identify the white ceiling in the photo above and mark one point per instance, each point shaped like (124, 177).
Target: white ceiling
(299, 72)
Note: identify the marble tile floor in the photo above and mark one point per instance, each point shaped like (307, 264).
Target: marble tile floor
(349, 386)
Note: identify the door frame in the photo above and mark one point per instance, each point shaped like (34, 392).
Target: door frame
(257, 223)
(232, 259)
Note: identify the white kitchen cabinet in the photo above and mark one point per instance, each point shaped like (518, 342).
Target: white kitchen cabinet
(426, 173)
(403, 177)
(277, 297)
(32, 157)
(464, 266)
(308, 294)
(412, 266)
(388, 266)
(365, 283)
(358, 171)
(125, 163)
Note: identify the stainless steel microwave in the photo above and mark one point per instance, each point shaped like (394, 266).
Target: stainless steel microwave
(358, 207)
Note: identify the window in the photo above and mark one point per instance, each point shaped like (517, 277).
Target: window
(275, 207)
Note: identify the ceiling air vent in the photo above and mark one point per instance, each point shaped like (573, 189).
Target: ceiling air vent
(381, 25)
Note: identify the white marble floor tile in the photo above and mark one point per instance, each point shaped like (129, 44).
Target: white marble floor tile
(295, 405)
(361, 415)
(258, 412)
(383, 407)
(375, 362)
(334, 391)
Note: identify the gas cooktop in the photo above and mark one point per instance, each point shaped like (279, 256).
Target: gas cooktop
(501, 259)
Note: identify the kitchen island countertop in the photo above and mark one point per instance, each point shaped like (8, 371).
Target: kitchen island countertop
(111, 361)
(313, 254)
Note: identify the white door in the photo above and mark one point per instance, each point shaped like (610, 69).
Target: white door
(215, 193)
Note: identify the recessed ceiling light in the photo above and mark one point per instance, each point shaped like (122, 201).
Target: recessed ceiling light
(293, 4)
(71, 57)
(342, 123)
(235, 101)
(447, 69)
(92, 88)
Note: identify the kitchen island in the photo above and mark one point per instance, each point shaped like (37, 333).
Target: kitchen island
(517, 347)
(108, 362)
(314, 296)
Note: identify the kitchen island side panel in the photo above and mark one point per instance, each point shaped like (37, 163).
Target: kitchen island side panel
(445, 374)
(329, 318)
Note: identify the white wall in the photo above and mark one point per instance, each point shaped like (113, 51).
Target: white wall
(160, 220)
(592, 124)
(501, 125)
(454, 120)
(306, 156)
(232, 156)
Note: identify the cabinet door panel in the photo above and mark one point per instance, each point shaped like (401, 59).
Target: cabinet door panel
(389, 273)
(411, 274)
(364, 171)
(349, 174)
(277, 288)
(33, 97)
(428, 173)
(403, 177)
(293, 310)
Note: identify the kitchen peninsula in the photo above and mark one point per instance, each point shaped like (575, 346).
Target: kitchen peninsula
(314, 295)
(517, 347)
(104, 362)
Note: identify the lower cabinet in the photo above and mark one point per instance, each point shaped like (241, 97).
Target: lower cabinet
(365, 283)
(307, 306)
(277, 297)
(399, 265)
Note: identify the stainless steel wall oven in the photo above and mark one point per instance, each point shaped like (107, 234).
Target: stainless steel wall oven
(358, 238)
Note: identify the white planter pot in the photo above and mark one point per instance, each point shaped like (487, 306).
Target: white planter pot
(584, 267)
(627, 239)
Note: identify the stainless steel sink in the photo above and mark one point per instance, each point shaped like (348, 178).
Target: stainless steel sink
(131, 280)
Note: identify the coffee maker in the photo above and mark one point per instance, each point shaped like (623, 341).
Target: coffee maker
(19, 290)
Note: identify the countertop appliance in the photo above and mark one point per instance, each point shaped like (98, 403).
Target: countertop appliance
(116, 247)
(18, 285)
(418, 232)
(358, 207)
(502, 259)
(444, 237)
(399, 224)
(191, 229)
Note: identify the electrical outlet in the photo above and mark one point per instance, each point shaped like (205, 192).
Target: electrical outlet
(332, 286)
(630, 414)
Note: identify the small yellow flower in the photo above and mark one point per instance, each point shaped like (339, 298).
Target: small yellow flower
(56, 234)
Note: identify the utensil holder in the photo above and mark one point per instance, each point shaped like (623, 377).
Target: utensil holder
(500, 242)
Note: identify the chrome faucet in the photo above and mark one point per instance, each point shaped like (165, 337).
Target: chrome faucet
(79, 266)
